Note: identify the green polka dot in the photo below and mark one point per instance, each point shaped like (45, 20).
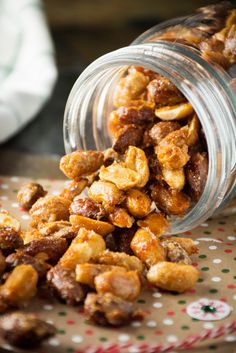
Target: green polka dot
(222, 222)
(213, 291)
(193, 319)
(235, 259)
(62, 313)
(181, 302)
(140, 337)
(213, 347)
(205, 269)
(70, 350)
(61, 332)
(200, 280)
(225, 270)
(141, 301)
(103, 339)
(15, 191)
(202, 256)
(185, 327)
(234, 277)
(207, 232)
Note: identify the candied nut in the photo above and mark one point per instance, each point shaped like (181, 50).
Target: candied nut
(10, 240)
(136, 160)
(120, 218)
(87, 244)
(80, 163)
(57, 229)
(129, 88)
(128, 135)
(137, 115)
(110, 156)
(2, 263)
(63, 283)
(196, 174)
(172, 202)
(99, 227)
(87, 208)
(106, 193)
(147, 247)
(20, 258)
(7, 221)
(25, 330)
(74, 188)
(149, 73)
(172, 151)
(154, 167)
(155, 223)
(49, 209)
(107, 309)
(138, 203)
(162, 129)
(175, 252)
(113, 124)
(122, 238)
(86, 273)
(20, 286)
(174, 112)
(175, 178)
(125, 285)
(163, 92)
(111, 241)
(131, 263)
(193, 130)
(186, 243)
(173, 277)
(124, 178)
(53, 247)
(30, 235)
(29, 194)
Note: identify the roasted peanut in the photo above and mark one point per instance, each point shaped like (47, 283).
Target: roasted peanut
(174, 112)
(120, 218)
(58, 229)
(74, 188)
(106, 193)
(53, 247)
(131, 263)
(172, 202)
(173, 277)
(196, 174)
(175, 253)
(175, 178)
(7, 221)
(137, 115)
(127, 136)
(25, 330)
(31, 234)
(86, 245)
(186, 243)
(20, 286)
(122, 238)
(87, 208)
(10, 240)
(107, 309)
(138, 203)
(147, 247)
(136, 160)
(29, 194)
(163, 92)
(125, 285)
(129, 88)
(162, 129)
(80, 163)
(155, 223)
(49, 209)
(172, 151)
(110, 156)
(99, 227)
(193, 130)
(63, 283)
(86, 273)
(123, 177)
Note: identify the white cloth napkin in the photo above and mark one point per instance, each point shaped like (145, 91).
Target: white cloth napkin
(27, 67)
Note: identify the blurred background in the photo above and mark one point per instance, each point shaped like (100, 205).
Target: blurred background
(81, 30)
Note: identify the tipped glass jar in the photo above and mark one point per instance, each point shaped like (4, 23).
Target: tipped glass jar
(197, 55)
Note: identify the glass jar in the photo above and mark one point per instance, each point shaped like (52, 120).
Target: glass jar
(206, 85)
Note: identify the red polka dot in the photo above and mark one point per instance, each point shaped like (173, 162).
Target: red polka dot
(192, 291)
(70, 322)
(223, 299)
(229, 244)
(234, 230)
(221, 229)
(183, 310)
(228, 251)
(89, 332)
(158, 332)
(195, 264)
(231, 286)
(81, 311)
(170, 313)
(188, 233)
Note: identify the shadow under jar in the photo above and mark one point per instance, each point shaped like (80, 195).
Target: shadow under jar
(198, 55)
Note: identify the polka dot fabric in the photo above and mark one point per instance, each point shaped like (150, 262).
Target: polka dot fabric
(167, 323)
